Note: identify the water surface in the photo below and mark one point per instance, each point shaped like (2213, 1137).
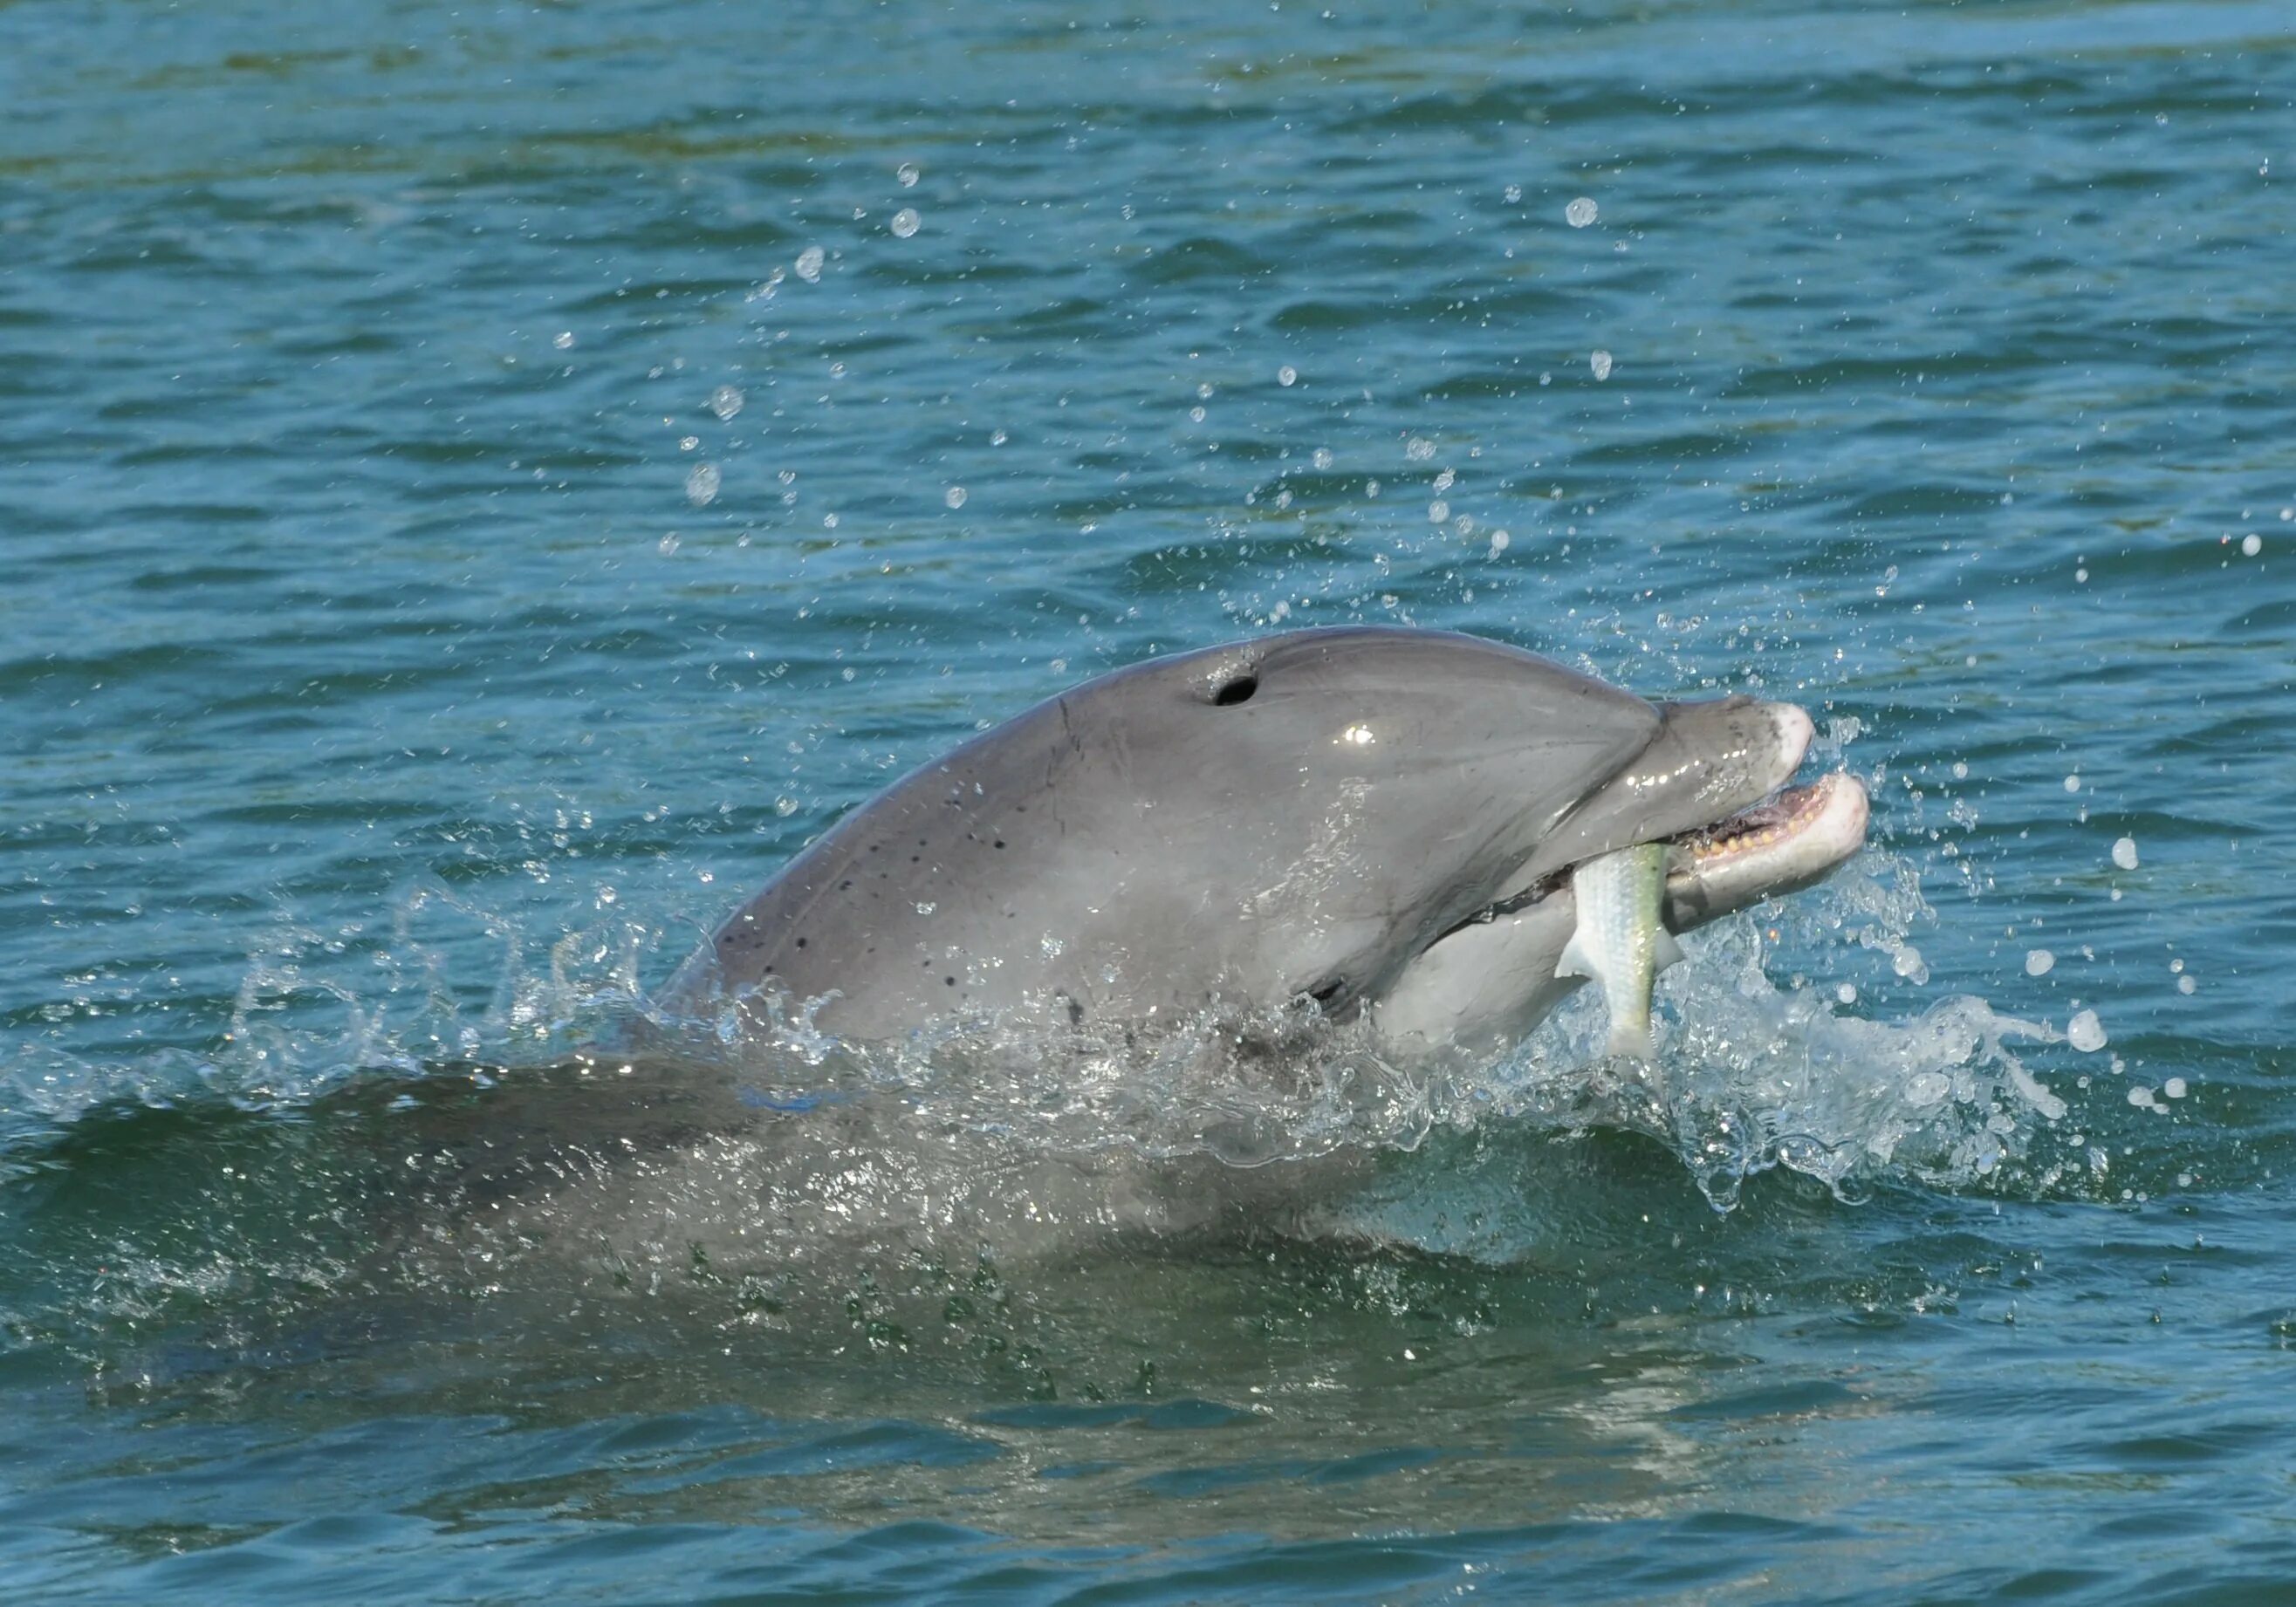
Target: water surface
(480, 486)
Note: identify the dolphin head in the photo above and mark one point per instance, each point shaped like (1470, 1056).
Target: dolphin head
(1380, 820)
(1393, 801)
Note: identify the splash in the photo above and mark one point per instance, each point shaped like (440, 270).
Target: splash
(1751, 1076)
(442, 980)
(1751, 1073)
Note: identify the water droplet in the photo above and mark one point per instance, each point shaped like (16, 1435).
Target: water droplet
(666, 545)
(1908, 962)
(1419, 449)
(2039, 962)
(702, 485)
(1514, 193)
(1846, 993)
(1287, 375)
(2124, 853)
(905, 222)
(1323, 457)
(954, 496)
(997, 438)
(2185, 984)
(1437, 511)
(907, 174)
(1581, 212)
(1447, 480)
(2072, 784)
(809, 264)
(1601, 364)
(563, 339)
(2085, 1033)
(2174, 1087)
(726, 401)
(2252, 544)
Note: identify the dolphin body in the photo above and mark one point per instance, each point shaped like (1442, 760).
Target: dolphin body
(1359, 822)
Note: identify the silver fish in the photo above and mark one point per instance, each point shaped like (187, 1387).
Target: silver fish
(1622, 941)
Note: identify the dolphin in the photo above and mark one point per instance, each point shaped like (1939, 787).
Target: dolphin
(1358, 823)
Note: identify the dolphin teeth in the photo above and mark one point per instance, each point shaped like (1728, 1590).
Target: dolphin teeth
(1765, 824)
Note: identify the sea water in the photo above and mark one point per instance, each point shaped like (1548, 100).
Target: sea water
(480, 486)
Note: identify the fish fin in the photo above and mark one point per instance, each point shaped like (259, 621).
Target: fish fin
(1576, 962)
(1666, 952)
(1632, 1039)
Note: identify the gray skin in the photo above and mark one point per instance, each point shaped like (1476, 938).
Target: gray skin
(1372, 819)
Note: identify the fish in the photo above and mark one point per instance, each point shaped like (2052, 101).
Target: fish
(1621, 942)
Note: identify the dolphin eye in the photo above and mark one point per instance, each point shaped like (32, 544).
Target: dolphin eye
(1237, 690)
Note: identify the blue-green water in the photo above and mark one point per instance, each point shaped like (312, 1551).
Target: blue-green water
(480, 487)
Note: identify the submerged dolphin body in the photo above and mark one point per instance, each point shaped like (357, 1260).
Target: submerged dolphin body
(1380, 820)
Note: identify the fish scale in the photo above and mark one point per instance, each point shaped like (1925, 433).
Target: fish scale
(1622, 942)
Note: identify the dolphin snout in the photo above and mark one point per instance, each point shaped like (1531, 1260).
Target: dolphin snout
(1796, 732)
(1744, 747)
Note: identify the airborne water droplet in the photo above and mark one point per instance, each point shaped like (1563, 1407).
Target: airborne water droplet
(2124, 853)
(726, 401)
(2085, 1033)
(2039, 962)
(954, 496)
(1581, 212)
(701, 483)
(907, 174)
(809, 264)
(905, 222)
(1601, 364)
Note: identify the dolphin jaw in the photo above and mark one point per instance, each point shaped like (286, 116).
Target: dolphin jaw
(1790, 839)
(1779, 846)
(1487, 981)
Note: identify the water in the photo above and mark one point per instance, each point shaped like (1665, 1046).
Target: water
(482, 486)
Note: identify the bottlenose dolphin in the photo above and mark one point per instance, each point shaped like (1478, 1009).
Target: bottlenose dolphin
(1356, 822)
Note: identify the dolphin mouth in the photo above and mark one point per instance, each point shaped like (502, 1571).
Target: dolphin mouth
(1782, 845)
(1777, 826)
(1789, 840)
